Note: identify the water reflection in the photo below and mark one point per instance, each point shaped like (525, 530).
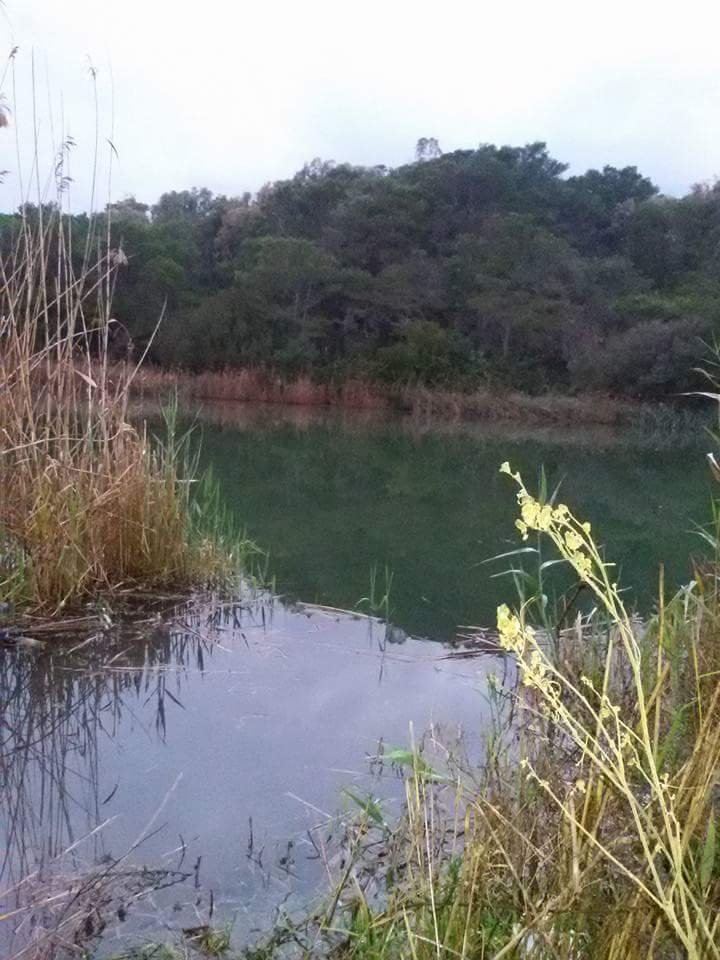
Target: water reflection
(210, 744)
(334, 495)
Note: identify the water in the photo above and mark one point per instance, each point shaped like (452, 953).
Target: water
(214, 741)
(332, 496)
(216, 748)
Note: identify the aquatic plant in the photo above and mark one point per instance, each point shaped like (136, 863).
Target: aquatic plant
(377, 601)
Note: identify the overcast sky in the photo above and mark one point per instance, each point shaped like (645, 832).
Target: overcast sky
(232, 93)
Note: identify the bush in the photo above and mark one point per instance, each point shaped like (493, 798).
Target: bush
(648, 360)
(425, 353)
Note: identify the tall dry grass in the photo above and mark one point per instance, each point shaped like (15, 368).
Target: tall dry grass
(88, 503)
(255, 385)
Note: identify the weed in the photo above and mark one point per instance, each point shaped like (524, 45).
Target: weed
(377, 602)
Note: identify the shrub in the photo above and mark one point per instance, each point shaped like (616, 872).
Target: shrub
(649, 360)
(425, 353)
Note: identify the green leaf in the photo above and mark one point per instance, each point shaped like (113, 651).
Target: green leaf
(369, 806)
(406, 758)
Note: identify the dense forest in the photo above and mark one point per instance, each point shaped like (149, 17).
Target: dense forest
(489, 266)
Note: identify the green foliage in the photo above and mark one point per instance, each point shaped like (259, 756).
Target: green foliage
(649, 359)
(425, 353)
(458, 269)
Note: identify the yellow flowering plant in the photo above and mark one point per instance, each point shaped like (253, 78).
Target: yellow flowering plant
(617, 756)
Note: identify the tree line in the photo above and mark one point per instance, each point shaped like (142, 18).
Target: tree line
(488, 266)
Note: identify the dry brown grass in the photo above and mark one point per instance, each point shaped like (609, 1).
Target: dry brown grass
(261, 386)
(255, 386)
(88, 503)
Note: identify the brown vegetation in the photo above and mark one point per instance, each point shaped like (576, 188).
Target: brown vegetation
(250, 385)
(88, 503)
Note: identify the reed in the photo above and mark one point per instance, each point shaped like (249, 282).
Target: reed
(257, 385)
(88, 502)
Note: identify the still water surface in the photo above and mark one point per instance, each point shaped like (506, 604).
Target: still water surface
(331, 496)
(215, 742)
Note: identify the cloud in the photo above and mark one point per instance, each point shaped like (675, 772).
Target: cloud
(232, 94)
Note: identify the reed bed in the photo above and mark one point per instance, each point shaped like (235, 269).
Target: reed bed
(250, 385)
(257, 386)
(89, 504)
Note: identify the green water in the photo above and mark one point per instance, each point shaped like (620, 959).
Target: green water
(333, 496)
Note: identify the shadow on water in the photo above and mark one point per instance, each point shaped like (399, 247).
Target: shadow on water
(213, 745)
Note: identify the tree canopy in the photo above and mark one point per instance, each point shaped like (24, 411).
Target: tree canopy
(489, 265)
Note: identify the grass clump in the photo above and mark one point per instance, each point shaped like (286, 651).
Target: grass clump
(205, 941)
(88, 502)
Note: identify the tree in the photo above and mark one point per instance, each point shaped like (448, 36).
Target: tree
(650, 360)
(425, 353)
(379, 222)
(652, 243)
(177, 205)
(427, 148)
(289, 278)
(375, 270)
(128, 210)
(517, 288)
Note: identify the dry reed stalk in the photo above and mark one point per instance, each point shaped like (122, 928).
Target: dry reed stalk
(256, 385)
(87, 502)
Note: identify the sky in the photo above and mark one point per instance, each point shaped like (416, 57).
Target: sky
(230, 95)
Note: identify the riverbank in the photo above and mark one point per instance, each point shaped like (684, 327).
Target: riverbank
(251, 385)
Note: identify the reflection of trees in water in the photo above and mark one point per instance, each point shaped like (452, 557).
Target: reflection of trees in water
(57, 705)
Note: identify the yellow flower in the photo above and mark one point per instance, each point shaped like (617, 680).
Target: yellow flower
(545, 517)
(534, 515)
(534, 671)
(582, 563)
(573, 540)
(509, 628)
(529, 512)
(507, 622)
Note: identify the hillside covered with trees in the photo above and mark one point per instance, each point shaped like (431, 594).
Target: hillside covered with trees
(489, 266)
